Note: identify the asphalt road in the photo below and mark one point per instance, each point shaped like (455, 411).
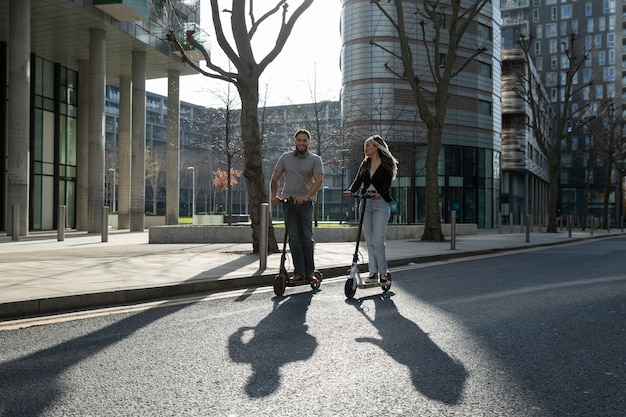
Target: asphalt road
(534, 333)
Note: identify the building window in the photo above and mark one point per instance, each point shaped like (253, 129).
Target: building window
(553, 14)
(590, 25)
(608, 74)
(566, 11)
(484, 107)
(553, 46)
(484, 32)
(537, 48)
(610, 40)
(588, 9)
(609, 6)
(550, 30)
(601, 58)
(484, 69)
(598, 41)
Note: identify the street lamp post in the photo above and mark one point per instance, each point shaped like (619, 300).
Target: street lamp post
(112, 171)
(324, 187)
(193, 192)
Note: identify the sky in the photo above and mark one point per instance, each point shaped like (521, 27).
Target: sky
(309, 59)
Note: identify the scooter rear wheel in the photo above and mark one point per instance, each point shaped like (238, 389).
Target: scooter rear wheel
(348, 288)
(386, 287)
(319, 276)
(279, 285)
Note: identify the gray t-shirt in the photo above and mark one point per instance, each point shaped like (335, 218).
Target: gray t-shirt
(298, 173)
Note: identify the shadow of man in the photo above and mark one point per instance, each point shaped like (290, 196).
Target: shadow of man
(433, 372)
(278, 339)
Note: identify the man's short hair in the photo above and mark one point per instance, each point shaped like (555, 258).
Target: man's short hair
(306, 132)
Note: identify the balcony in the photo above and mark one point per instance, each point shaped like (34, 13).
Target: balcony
(124, 10)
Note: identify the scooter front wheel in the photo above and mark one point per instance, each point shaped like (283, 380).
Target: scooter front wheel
(279, 285)
(348, 288)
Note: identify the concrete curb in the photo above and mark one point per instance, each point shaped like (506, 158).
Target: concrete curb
(38, 307)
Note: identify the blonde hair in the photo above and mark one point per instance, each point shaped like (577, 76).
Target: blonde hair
(389, 162)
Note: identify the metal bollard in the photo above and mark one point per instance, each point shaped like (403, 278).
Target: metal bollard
(592, 224)
(511, 221)
(15, 224)
(61, 224)
(264, 236)
(500, 222)
(452, 230)
(105, 223)
(570, 222)
(527, 228)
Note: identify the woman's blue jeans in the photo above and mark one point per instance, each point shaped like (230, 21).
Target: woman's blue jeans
(375, 220)
(299, 223)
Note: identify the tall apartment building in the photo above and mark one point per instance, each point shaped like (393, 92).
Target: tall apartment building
(375, 101)
(597, 28)
(56, 57)
(524, 166)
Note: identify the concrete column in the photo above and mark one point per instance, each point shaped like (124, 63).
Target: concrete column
(172, 170)
(18, 145)
(138, 147)
(97, 87)
(82, 155)
(124, 152)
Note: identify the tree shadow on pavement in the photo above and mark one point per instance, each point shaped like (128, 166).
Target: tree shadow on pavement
(433, 372)
(278, 339)
(33, 383)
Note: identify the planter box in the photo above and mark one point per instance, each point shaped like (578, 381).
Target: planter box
(113, 220)
(208, 219)
(154, 221)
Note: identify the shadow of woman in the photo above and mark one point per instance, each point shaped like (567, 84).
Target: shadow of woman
(433, 372)
(278, 339)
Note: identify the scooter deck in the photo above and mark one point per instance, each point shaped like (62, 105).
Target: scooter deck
(370, 284)
(298, 283)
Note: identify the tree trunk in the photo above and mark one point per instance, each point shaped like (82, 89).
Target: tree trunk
(432, 226)
(553, 198)
(607, 192)
(253, 157)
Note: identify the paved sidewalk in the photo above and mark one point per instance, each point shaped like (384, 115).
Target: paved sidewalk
(41, 275)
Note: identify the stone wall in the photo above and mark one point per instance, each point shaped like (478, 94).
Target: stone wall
(243, 233)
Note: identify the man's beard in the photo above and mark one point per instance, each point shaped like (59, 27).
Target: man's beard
(301, 154)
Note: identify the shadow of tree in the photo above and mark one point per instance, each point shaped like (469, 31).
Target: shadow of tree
(32, 384)
(433, 372)
(278, 339)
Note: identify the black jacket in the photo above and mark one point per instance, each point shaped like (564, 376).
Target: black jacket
(381, 180)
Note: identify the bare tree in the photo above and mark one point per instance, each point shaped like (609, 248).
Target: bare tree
(227, 145)
(155, 178)
(567, 116)
(444, 24)
(248, 69)
(612, 147)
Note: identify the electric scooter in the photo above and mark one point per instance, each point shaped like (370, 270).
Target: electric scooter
(284, 278)
(354, 280)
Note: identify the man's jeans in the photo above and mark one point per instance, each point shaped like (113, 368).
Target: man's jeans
(299, 223)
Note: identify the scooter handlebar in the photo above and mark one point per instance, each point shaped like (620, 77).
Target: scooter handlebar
(366, 194)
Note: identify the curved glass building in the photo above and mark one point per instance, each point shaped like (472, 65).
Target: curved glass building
(375, 100)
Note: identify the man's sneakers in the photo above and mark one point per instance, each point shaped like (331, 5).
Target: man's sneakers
(385, 278)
